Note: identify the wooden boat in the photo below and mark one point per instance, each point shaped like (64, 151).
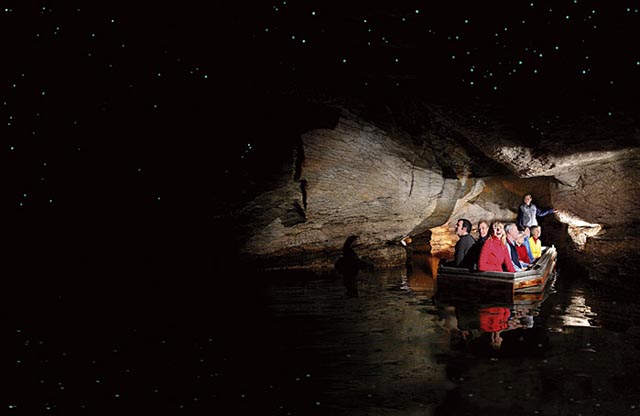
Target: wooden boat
(526, 285)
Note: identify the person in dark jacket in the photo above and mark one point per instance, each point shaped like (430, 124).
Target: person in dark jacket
(461, 257)
(528, 212)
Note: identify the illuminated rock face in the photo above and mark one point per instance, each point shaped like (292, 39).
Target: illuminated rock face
(395, 177)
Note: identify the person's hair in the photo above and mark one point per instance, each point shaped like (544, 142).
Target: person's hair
(533, 227)
(466, 224)
(508, 226)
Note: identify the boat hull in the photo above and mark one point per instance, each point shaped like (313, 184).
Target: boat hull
(525, 285)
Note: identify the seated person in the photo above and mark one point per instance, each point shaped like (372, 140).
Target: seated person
(461, 257)
(527, 235)
(534, 241)
(494, 255)
(523, 255)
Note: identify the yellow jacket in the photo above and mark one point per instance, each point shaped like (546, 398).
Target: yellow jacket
(536, 247)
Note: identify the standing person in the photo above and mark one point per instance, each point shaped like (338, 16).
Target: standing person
(534, 242)
(494, 255)
(464, 244)
(528, 212)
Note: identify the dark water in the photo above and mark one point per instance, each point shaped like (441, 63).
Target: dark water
(178, 342)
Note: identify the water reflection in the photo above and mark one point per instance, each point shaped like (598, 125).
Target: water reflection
(401, 346)
(299, 343)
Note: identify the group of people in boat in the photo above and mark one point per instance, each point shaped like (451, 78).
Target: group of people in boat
(512, 247)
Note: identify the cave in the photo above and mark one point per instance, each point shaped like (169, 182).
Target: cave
(387, 169)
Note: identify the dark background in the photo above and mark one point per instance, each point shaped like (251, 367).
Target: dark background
(127, 129)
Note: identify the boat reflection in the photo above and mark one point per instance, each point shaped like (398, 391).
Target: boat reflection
(494, 323)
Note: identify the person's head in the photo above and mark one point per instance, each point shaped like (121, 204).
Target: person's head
(483, 228)
(463, 226)
(511, 231)
(536, 231)
(497, 230)
(496, 340)
(527, 199)
(520, 239)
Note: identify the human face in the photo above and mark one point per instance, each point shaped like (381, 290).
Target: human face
(483, 228)
(460, 230)
(513, 233)
(527, 199)
(498, 230)
(536, 232)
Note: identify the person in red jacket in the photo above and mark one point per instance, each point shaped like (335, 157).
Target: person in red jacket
(494, 255)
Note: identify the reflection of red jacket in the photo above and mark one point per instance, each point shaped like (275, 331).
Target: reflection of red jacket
(493, 256)
(494, 319)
